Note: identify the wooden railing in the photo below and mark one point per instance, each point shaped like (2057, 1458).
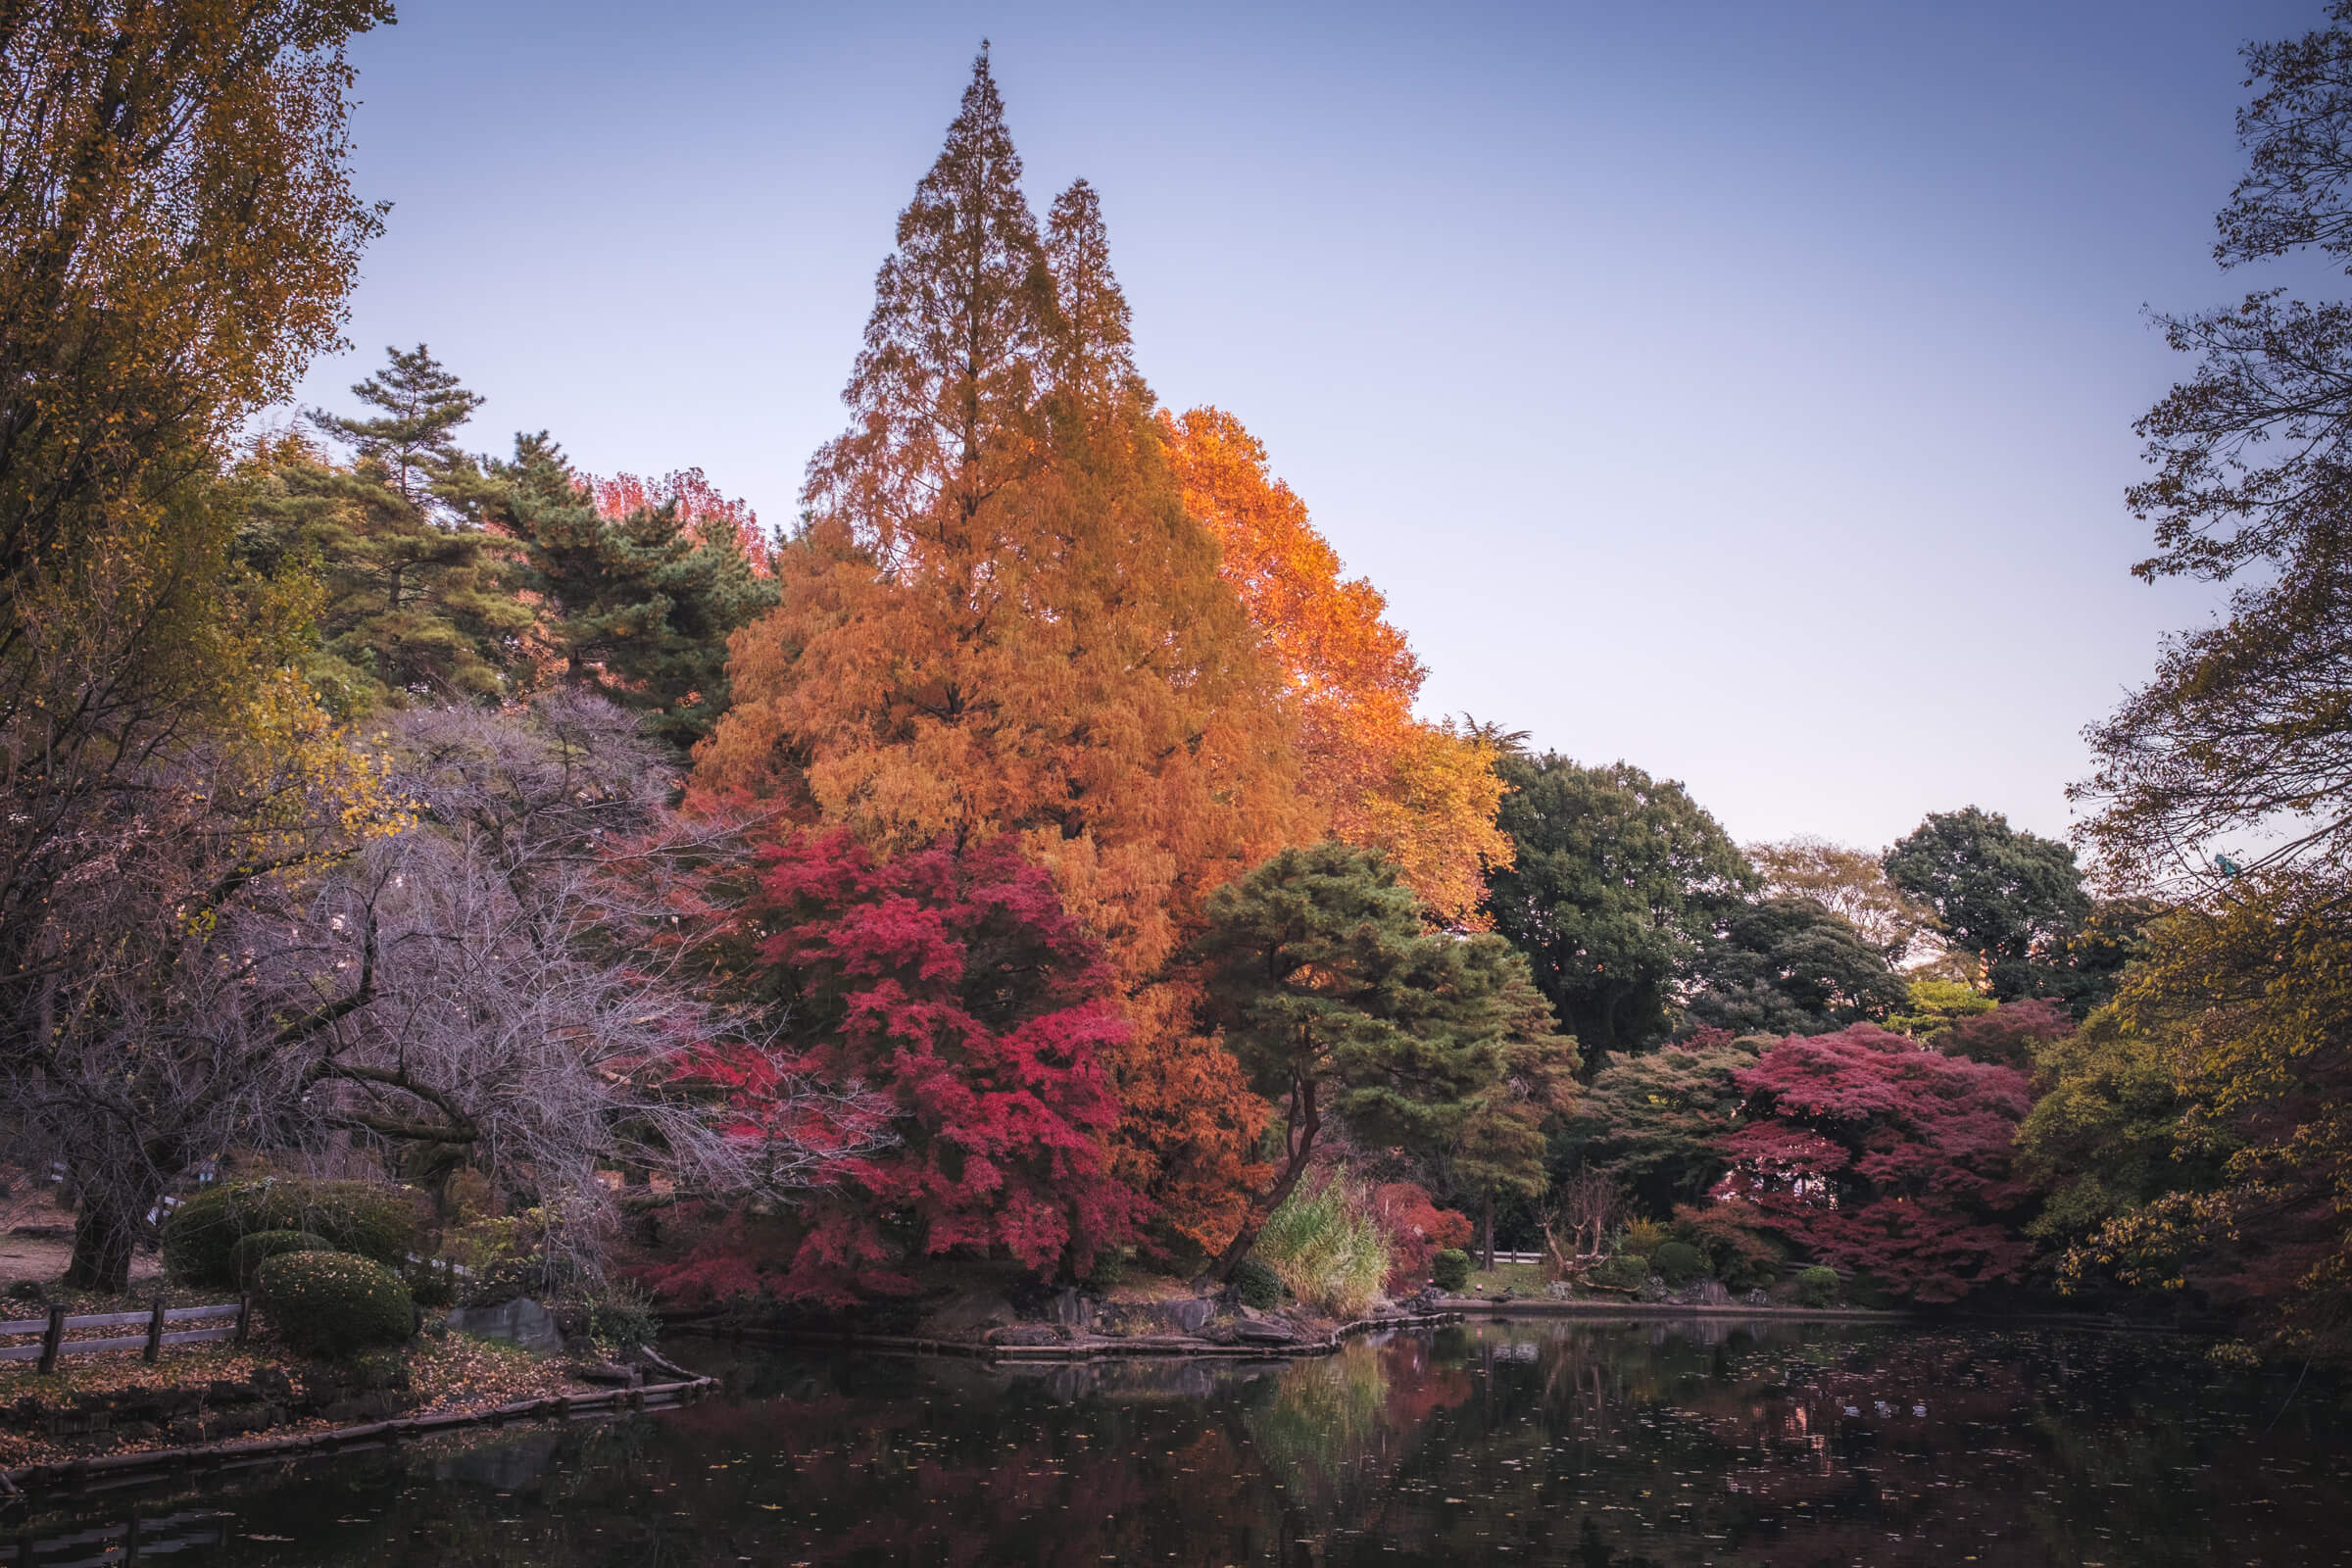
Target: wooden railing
(156, 1320)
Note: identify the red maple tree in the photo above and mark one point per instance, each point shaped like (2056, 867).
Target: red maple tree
(1872, 1153)
(1416, 1229)
(953, 986)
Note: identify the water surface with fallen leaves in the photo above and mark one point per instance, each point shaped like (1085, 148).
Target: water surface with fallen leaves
(1597, 1445)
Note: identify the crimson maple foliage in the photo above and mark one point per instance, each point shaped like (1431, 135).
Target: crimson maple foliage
(1872, 1153)
(954, 986)
(1415, 1228)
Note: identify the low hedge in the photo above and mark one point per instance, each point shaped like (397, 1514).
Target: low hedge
(334, 1304)
(1623, 1271)
(375, 1222)
(1817, 1286)
(252, 1251)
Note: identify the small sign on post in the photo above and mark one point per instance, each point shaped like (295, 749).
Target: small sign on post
(244, 1317)
(52, 1337)
(155, 1333)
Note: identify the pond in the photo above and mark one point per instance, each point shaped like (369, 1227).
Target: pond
(1621, 1444)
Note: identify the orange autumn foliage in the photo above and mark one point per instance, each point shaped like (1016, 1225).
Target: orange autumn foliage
(1000, 619)
(1426, 793)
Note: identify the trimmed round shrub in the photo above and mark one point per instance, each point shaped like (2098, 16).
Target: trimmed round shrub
(334, 1304)
(1624, 1271)
(375, 1222)
(252, 1251)
(1257, 1285)
(1817, 1286)
(1450, 1269)
(1677, 1262)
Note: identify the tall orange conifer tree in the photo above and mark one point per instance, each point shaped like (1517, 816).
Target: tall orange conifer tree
(1000, 619)
(1426, 793)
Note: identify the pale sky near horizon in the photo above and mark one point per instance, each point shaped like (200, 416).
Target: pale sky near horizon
(1744, 392)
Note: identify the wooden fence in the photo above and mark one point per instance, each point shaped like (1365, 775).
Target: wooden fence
(156, 1320)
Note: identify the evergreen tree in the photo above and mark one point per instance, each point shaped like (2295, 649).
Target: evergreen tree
(2013, 899)
(1617, 879)
(637, 607)
(410, 441)
(417, 598)
(1784, 966)
(1342, 1008)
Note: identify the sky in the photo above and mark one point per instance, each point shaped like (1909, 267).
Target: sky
(1741, 391)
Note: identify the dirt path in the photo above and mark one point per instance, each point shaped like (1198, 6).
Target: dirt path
(42, 1255)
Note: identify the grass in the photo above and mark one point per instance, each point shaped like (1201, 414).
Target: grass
(1521, 1279)
(1326, 1248)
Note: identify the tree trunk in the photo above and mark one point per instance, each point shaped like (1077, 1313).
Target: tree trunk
(1490, 1265)
(102, 1242)
(1307, 1121)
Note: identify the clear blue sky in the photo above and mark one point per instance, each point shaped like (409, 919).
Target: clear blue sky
(1741, 390)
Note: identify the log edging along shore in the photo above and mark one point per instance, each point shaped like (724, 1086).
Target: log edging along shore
(140, 1464)
(1141, 1347)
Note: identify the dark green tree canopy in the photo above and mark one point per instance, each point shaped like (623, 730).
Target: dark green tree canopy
(1654, 1119)
(1339, 1004)
(1619, 878)
(639, 607)
(2010, 897)
(1784, 966)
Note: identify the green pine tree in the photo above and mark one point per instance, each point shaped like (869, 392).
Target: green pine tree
(1343, 1008)
(637, 607)
(417, 603)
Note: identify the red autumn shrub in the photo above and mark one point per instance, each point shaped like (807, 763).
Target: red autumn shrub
(1416, 1231)
(1869, 1151)
(954, 987)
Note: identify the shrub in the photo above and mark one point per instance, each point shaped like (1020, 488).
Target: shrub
(1731, 1236)
(1450, 1269)
(1257, 1284)
(375, 1222)
(1324, 1244)
(1643, 1236)
(1109, 1270)
(1416, 1231)
(1678, 1262)
(335, 1304)
(624, 1316)
(252, 1251)
(1624, 1271)
(1817, 1286)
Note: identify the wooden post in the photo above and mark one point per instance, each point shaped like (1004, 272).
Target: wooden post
(51, 1338)
(155, 1333)
(244, 1317)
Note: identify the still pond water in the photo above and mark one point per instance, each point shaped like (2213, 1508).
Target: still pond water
(1594, 1444)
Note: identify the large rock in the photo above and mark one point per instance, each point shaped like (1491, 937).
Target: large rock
(521, 1321)
(1266, 1331)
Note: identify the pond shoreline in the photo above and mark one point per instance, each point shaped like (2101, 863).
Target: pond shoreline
(136, 1466)
(1086, 1347)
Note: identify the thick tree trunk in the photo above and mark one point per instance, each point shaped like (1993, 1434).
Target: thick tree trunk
(1489, 1264)
(102, 1240)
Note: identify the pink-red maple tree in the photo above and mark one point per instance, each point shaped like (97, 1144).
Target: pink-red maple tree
(1872, 1153)
(1416, 1229)
(954, 987)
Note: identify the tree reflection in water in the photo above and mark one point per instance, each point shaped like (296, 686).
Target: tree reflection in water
(1626, 1445)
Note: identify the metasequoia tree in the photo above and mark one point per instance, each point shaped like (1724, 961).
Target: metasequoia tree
(1000, 621)
(952, 985)
(1423, 794)
(1873, 1153)
(1347, 1011)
